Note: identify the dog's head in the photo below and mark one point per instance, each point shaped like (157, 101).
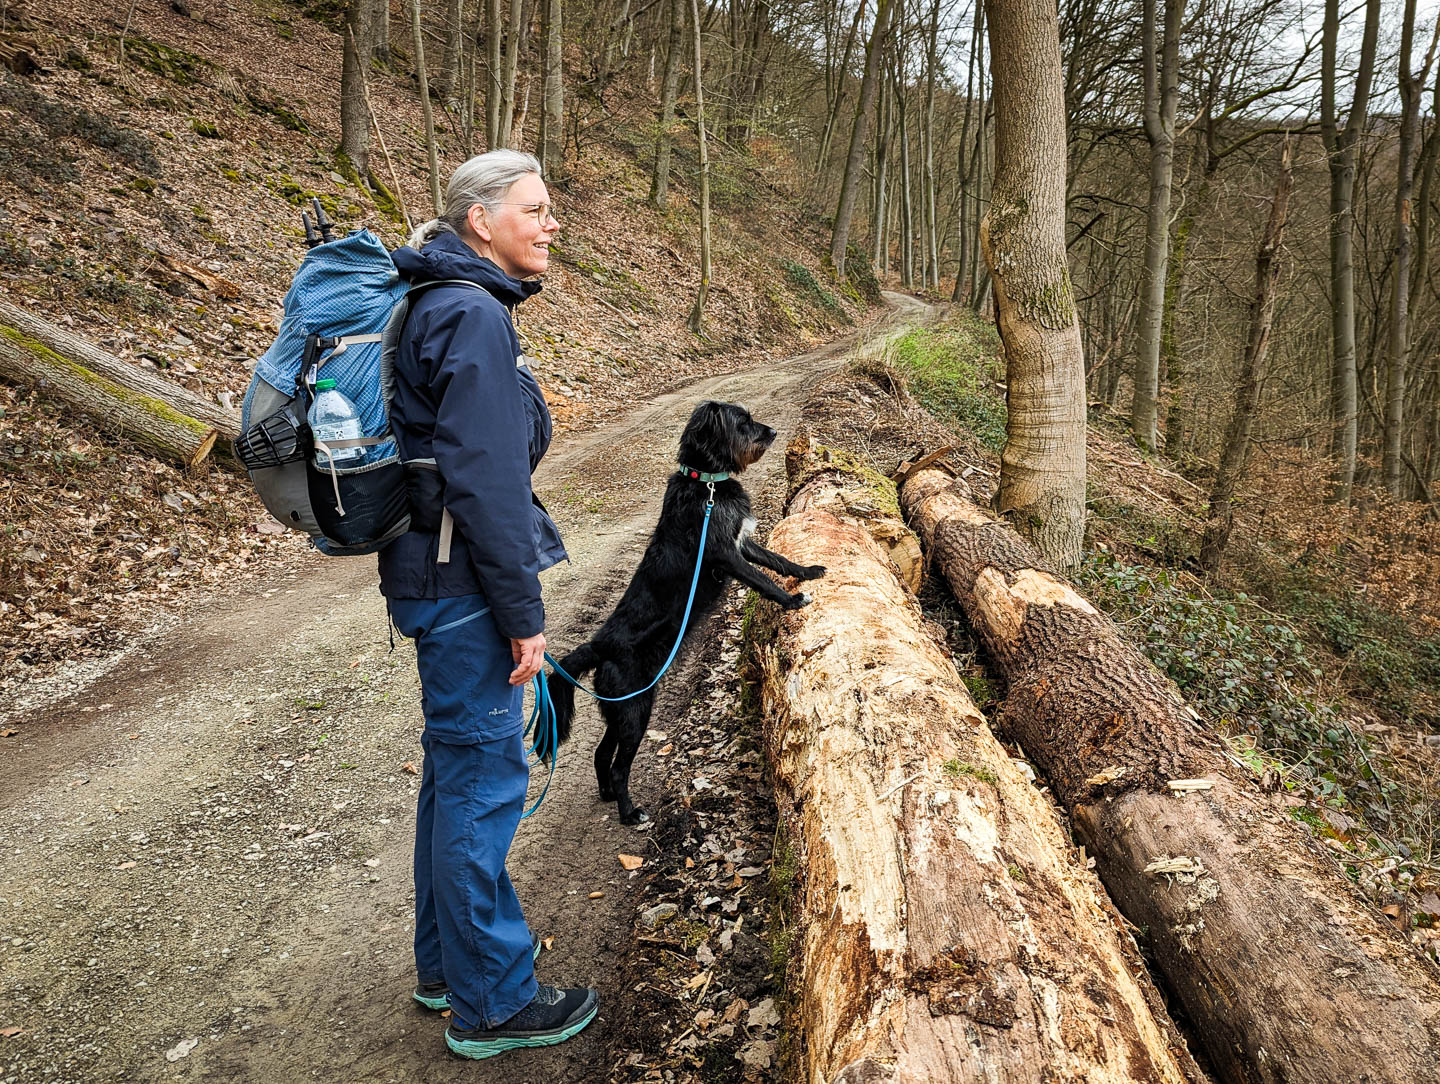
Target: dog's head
(723, 437)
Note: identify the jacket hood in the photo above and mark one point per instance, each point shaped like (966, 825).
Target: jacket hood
(448, 257)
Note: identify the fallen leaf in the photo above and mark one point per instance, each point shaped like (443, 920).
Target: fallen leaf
(409, 768)
(127, 865)
(181, 1049)
(689, 863)
(9, 732)
(10, 1033)
(631, 861)
(548, 943)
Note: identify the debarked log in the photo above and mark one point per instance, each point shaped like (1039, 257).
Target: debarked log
(25, 330)
(945, 932)
(1286, 973)
(144, 418)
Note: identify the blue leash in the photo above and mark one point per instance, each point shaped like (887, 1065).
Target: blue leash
(543, 704)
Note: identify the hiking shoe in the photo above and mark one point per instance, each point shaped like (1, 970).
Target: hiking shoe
(555, 1014)
(436, 995)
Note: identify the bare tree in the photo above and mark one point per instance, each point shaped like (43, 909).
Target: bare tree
(1042, 471)
(1399, 352)
(431, 152)
(697, 313)
(515, 42)
(552, 116)
(1162, 96)
(660, 179)
(1341, 146)
(1236, 449)
(448, 78)
(494, 35)
(354, 110)
(855, 161)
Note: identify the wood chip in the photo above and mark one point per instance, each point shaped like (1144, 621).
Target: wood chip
(1179, 864)
(1181, 786)
(596, 896)
(10, 1033)
(409, 769)
(631, 861)
(1109, 775)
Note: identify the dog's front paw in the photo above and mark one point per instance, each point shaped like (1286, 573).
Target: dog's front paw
(812, 572)
(797, 600)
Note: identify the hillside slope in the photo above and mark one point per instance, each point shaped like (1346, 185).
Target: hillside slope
(154, 208)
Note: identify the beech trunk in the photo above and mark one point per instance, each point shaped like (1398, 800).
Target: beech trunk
(37, 335)
(945, 932)
(143, 418)
(1285, 972)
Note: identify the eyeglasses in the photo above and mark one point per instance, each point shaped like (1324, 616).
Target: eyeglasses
(543, 212)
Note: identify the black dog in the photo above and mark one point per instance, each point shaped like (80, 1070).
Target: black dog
(632, 645)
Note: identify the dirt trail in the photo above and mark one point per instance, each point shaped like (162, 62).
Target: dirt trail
(212, 842)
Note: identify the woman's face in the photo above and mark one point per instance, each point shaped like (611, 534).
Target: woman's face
(517, 235)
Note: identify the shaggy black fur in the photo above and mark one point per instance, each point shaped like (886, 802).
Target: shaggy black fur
(630, 647)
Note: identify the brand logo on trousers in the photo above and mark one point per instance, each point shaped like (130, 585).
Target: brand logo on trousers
(499, 711)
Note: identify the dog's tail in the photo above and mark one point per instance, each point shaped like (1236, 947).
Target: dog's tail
(562, 693)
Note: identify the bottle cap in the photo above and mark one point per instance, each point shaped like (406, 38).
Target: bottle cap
(324, 385)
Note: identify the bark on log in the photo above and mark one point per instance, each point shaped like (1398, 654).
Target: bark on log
(145, 418)
(946, 934)
(25, 330)
(1286, 973)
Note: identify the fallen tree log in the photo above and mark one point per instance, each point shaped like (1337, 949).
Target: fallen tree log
(28, 332)
(1286, 973)
(145, 418)
(945, 932)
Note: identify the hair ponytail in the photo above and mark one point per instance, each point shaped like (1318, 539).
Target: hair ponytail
(425, 233)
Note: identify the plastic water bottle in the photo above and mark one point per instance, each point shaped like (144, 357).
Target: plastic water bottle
(333, 417)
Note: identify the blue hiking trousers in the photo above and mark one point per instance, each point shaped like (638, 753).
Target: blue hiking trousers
(469, 929)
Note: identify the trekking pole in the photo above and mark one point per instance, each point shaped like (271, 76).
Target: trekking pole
(312, 235)
(327, 227)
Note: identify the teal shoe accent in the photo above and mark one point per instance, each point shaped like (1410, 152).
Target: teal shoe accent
(438, 1003)
(437, 998)
(479, 1049)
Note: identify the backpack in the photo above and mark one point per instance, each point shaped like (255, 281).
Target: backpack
(343, 316)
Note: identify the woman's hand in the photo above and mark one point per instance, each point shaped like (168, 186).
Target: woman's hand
(529, 655)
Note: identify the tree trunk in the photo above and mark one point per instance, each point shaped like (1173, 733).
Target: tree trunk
(945, 932)
(697, 312)
(41, 336)
(1286, 974)
(552, 117)
(660, 180)
(882, 168)
(1162, 96)
(507, 136)
(1341, 148)
(927, 195)
(1175, 362)
(907, 204)
(1398, 355)
(1042, 466)
(450, 71)
(1236, 449)
(833, 115)
(146, 419)
(380, 22)
(494, 75)
(855, 160)
(431, 152)
(354, 112)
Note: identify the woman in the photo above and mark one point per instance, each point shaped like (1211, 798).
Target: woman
(471, 425)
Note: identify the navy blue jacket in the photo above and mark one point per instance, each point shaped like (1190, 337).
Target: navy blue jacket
(461, 399)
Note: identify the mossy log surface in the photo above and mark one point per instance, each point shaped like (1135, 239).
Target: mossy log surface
(945, 931)
(144, 418)
(28, 331)
(1285, 972)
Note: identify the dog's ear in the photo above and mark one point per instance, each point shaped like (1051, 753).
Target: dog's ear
(708, 441)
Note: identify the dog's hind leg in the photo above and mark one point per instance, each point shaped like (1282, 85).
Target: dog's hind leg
(631, 719)
(605, 751)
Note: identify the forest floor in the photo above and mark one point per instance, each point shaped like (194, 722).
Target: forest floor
(207, 868)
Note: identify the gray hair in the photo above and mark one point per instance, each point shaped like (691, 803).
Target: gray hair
(483, 179)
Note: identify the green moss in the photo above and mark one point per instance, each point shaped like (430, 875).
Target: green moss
(147, 403)
(982, 690)
(880, 489)
(808, 288)
(143, 184)
(204, 129)
(232, 175)
(277, 111)
(166, 61)
(955, 768)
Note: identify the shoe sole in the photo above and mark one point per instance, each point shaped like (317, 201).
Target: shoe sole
(441, 1003)
(478, 1049)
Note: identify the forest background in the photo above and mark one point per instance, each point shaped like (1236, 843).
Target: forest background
(155, 157)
